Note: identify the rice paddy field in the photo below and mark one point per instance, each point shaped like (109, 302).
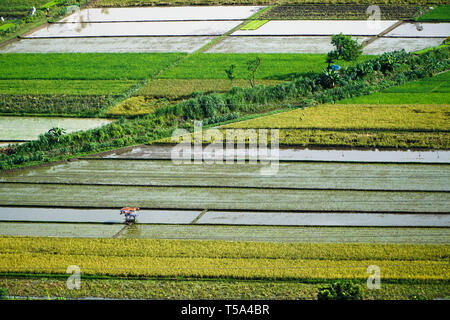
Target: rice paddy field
(428, 91)
(29, 128)
(221, 230)
(16, 8)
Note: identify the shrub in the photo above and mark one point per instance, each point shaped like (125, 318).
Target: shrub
(340, 290)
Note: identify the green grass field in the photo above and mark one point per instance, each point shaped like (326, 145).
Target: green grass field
(273, 66)
(441, 13)
(435, 90)
(84, 66)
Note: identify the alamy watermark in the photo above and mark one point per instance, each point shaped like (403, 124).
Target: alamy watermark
(374, 13)
(74, 280)
(374, 280)
(229, 146)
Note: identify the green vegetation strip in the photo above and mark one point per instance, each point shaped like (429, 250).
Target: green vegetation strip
(216, 259)
(207, 290)
(255, 24)
(222, 198)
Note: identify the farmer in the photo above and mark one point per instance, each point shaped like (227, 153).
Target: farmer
(33, 11)
(2, 19)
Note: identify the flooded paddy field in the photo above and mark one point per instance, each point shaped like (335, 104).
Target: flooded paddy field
(275, 44)
(318, 44)
(199, 198)
(105, 216)
(410, 29)
(133, 29)
(109, 44)
(161, 152)
(382, 44)
(290, 175)
(156, 218)
(162, 13)
(318, 27)
(29, 128)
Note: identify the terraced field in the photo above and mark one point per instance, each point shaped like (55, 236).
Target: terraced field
(224, 259)
(291, 175)
(221, 230)
(333, 11)
(399, 116)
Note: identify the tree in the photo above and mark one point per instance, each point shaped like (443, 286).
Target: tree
(230, 74)
(345, 49)
(252, 67)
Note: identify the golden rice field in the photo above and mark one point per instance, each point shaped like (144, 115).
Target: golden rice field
(406, 117)
(221, 259)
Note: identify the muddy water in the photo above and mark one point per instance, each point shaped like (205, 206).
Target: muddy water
(292, 154)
